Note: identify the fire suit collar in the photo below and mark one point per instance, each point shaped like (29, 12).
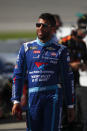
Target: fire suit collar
(54, 39)
(44, 44)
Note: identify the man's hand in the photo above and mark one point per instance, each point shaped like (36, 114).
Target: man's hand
(17, 111)
(75, 65)
(71, 114)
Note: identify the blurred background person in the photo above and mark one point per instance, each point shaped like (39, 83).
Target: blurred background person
(78, 55)
(77, 50)
(82, 90)
(82, 23)
(58, 25)
(58, 22)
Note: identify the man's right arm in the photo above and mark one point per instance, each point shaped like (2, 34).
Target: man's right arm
(18, 75)
(18, 78)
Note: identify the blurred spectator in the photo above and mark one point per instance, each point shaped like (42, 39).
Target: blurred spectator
(82, 23)
(77, 50)
(78, 55)
(64, 31)
(82, 91)
(59, 24)
(58, 21)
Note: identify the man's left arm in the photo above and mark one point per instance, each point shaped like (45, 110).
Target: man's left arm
(68, 84)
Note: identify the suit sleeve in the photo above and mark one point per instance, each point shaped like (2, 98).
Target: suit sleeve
(67, 79)
(18, 75)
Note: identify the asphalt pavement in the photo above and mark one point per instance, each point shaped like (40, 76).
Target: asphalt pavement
(12, 124)
(20, 126)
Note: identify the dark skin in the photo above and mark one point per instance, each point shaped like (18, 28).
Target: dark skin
(44, 35)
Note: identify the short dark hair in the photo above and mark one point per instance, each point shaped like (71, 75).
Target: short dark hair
(49, 17)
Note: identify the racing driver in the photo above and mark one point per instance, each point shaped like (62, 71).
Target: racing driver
(50, 78)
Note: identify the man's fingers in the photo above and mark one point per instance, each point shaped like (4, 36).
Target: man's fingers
(16, 111)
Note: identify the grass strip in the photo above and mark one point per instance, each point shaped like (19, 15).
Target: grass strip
(17, 35)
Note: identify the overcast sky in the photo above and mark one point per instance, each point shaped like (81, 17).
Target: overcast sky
(23, 14)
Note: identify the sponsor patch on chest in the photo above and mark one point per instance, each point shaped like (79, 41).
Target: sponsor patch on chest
(36, 51)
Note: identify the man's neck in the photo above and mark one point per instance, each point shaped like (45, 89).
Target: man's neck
(45, 40)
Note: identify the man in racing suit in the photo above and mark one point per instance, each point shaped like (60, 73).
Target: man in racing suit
(47, 65)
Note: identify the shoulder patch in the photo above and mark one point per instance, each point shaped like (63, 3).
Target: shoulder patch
(27, 43)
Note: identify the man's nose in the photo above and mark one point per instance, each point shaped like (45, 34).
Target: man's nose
(41, 26)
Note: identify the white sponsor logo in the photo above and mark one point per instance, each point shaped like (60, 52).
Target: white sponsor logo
(39, 78)
(35, 72)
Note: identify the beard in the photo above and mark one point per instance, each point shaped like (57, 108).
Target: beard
(43, 37)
